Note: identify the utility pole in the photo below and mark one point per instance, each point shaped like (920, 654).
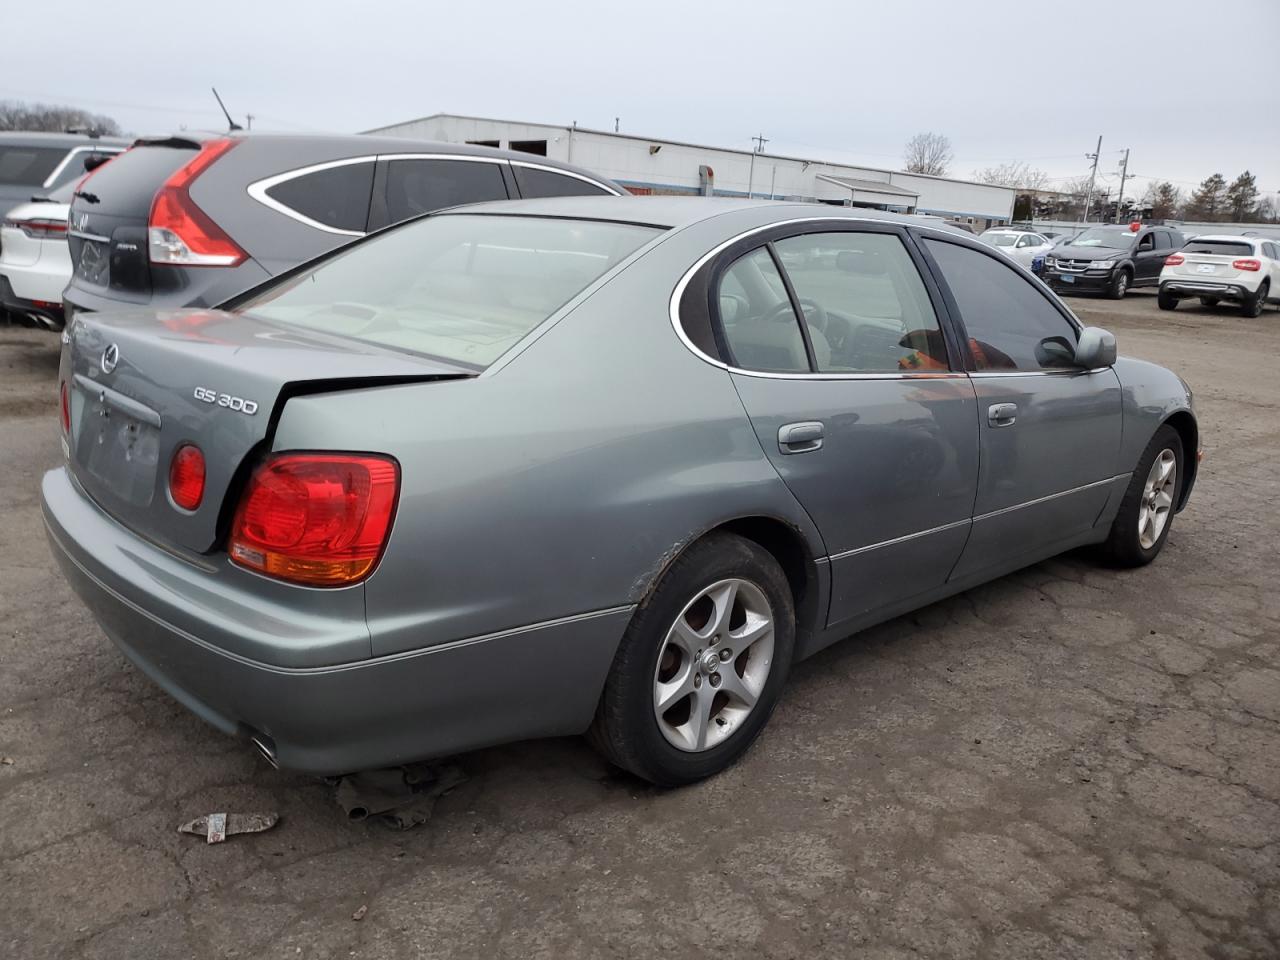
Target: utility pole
(248, 121)
(616, 121)
(1093, 175)
(759, 140)
(1124, 175)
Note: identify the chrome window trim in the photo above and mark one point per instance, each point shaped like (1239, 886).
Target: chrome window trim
(533, 165)
(984, 516)
(258, 189)
(57, 171)
(1000, 374)
(678, 293)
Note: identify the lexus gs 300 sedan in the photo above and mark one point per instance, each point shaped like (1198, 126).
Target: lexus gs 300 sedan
(598, 464)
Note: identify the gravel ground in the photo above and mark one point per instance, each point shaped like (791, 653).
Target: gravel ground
(1069, 762)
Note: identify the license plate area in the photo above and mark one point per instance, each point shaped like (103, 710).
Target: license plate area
(116, 442)
(1206, 268)
(1067, 278)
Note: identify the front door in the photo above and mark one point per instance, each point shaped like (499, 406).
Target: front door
(843, 367)
(1148, 257)
(1049, 431)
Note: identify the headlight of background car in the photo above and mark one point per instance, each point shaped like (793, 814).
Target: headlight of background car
(1050, 261)
(1102, 265)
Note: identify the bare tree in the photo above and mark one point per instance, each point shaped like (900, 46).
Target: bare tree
(1016, 173)
(1163, 198)
(927, 153)
(17, 115)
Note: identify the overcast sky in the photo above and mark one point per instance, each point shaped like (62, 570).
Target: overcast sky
(1189, 85)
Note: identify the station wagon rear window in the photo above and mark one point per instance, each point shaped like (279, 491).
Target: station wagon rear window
(1227, 248)
(461, 288)
(29, 166)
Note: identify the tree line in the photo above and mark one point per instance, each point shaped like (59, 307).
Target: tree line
(1214, 199)
(49, 118)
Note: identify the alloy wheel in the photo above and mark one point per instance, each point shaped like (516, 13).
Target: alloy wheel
(1156, 505)
(713, 665)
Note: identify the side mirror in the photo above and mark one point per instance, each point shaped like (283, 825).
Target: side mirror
(1095, 348)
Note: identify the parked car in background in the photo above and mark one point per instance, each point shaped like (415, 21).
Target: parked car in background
(1241, 270)
(1111, 259)
(35, 264)
(35, 164)
(1020, 246)
(530, 468)
(193, 219)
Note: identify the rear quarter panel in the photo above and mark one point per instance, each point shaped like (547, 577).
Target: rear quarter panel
(562, 482)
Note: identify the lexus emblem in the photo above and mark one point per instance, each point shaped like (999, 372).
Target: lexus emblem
(110, 357)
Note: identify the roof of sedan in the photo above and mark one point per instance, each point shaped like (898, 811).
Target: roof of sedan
(676, 211)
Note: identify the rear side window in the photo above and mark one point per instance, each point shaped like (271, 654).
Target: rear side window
(544, 183)
(1011, 325)
(126, 186)
(759, 324)
(1226, 248)
(1269, 251)
(336, 197)
(460, 287)
(29, 166)
(420, 186)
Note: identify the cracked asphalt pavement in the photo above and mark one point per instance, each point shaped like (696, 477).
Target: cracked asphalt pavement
(1072, 761)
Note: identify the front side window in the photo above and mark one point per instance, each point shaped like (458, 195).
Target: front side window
(1011, 325)
(865, 306)
(420, 186)
(336, 197)
(461, 287)
(1148, 242)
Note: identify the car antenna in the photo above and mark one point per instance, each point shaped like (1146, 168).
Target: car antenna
(231, 124)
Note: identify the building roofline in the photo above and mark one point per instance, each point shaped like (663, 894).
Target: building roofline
(684, 143)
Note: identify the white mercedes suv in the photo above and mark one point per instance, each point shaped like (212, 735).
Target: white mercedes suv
(1243, 270)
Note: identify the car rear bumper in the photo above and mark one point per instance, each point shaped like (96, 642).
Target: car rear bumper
(535, 681)
(35, 312)
(1206, 288)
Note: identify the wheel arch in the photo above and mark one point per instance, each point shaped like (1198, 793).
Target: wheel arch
(1184, 422)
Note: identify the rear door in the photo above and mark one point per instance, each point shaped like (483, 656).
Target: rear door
(1049, 431)
(842, 363)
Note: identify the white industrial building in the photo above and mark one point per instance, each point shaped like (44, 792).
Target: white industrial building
(651, 165)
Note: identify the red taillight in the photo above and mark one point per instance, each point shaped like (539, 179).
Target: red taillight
(40, 228)
(182, 234)
(1250, 265)
(314, 518)
(66, 407)
(1174, 260)
(186, 477)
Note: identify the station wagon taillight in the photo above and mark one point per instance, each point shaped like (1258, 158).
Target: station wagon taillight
(179, 233)
(1251, 265)
(317, 519)
(1174, 260)
(41, 228)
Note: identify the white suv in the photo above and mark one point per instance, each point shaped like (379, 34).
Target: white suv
(1244, 270)
(35, 262)
(1021, 246)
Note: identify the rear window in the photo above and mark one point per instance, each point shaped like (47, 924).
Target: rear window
(126, 185)
(29, 166)
(337, 197)
(999, 239)
(1226, 248)
(543, 183)
(462, 288)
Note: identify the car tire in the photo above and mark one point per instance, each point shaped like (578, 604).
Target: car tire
(1119, 285)
(1252, 306)
(1146, 513)
(1166, 301)
(1209, 301)
(662, 654)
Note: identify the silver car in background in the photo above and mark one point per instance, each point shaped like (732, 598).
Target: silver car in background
(602, 464)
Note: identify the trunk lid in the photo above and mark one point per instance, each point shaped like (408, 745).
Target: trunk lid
(1209, 266)
(141, 384)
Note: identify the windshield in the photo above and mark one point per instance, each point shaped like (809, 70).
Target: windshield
(460, 287)
(1097, 237)
(1000, 239)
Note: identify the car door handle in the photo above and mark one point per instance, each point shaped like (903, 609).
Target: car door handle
(1002, 414)
(800, 437)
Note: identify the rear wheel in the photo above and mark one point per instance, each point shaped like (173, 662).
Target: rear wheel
(1166, 301)
(1119, 285)
(1210, 301)
(701, 665)
(1146, 513)
(1252, 306)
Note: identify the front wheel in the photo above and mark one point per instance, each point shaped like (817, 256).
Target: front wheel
(701, 665)
(1166, 301)
(1252, 306)
(1146, 513)
(1119, 285)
